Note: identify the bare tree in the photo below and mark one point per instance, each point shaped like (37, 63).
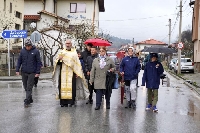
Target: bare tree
(188, 49)
(6, 22)
(104, 35)
(53, 37)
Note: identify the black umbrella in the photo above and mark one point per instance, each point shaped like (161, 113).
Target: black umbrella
(165, 50)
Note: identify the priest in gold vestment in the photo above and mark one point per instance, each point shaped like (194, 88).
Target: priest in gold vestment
(68, 77)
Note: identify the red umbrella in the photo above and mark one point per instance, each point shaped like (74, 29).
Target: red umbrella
(120, 54)
(97, 42)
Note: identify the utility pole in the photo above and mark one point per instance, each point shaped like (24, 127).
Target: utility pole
(179, 40)
(170, 56)
(170, 31)
(93, 18)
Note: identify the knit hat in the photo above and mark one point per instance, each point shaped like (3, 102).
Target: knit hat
(28, 42)
(132, 49)
(154, 55)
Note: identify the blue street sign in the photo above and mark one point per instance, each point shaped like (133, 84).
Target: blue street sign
(14, 34)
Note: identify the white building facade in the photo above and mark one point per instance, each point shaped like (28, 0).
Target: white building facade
(11, 18)
(52, 15)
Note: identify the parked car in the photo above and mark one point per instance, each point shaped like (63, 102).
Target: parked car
(172, 63)
(186, 65)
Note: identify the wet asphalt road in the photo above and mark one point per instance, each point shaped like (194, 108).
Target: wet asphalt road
(178, 105)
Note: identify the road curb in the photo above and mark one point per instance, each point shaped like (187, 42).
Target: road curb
(21, 79)
(196, 89)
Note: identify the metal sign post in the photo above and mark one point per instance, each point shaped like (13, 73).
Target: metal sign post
(35, 37)
(180, 46)
(7, 34)
(8, 57)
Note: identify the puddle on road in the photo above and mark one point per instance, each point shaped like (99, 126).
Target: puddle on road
(19, 84)
(11, 85)
(194, 111)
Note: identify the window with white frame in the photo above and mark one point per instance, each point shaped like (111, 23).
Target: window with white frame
(77, 8)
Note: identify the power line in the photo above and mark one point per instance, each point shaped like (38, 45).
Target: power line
(176, 19)
(184, 2)
(175, 23)
(140, 18)
(130, 19)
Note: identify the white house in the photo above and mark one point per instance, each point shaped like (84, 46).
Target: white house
(76, 11)
(51, 16)
(148, 43)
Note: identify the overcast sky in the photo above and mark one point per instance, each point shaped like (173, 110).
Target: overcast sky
(143, 19)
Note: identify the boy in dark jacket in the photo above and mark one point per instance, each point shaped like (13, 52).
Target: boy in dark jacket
(130, 67)
(88, 67)
(151, 77)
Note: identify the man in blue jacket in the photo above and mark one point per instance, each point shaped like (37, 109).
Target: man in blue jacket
(29, 62)
(151, 77)
(130, 67)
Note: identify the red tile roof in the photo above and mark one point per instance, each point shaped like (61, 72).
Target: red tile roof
(53, 15)
(31, 17)
(152, 42)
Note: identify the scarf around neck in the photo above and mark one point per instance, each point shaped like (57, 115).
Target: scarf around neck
(102, 62)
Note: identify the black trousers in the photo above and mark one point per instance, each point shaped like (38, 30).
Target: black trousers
(28, 82)
(99, 94)
(91, 89)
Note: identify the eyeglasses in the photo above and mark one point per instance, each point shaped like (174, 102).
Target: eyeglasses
(68, 43)
(101, 51)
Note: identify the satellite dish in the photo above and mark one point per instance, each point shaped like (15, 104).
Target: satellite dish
(35, 37)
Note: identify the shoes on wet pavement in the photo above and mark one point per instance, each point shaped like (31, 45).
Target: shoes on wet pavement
(97, 108)
(71, 105)
(149, 106)
(128, 104)
(31, 100)
(26, 103)
(155, 109)
(90, 101)
(107, 106)
(133, 104)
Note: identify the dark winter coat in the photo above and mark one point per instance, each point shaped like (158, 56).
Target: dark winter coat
(110, 80)
(131, 67)
(98, 75)
(152, 74)
(89, 60)
(82, 64)
(85, 54)
(29, 61)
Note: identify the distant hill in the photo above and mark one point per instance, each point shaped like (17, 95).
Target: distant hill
(116, 41)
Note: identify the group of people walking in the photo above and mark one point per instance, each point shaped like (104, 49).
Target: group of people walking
(78, 74)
